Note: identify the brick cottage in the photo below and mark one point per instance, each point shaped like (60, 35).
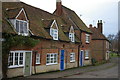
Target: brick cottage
(65, 40)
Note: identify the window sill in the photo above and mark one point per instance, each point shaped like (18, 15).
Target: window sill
(15, 67)
(72, 61)
(23, 34)
(87, 42)
(37, 63)
(51, 64)
(55, 39)
(86, 58)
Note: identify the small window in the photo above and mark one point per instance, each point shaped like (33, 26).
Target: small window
(21, 27)
(37, 58)
(107, 44)
(72, 34)
(86, 54)
(16, 59)
(87, 38)
(54, 33)
(72, 57)
(54, 30)
(51, 59)
(71, 37)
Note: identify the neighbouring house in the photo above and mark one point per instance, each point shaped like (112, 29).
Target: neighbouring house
(64, 39)
(100, 44)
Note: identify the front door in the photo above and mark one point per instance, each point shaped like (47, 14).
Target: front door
(81, 57)
(62, 60)
(28, 64)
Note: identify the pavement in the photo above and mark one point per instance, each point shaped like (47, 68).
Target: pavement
(79, 71)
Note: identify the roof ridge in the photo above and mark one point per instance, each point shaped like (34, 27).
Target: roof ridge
(67, 8)
(37, 8)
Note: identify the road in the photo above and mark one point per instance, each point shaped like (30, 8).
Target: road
(105, 73)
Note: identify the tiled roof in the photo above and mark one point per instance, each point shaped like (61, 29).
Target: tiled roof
(37, 19)
(72, 18)
(97, 35)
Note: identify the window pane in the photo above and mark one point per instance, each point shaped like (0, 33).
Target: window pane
(10, 59)
(16, 58)
(21, 27)
(72, 57)
(37, 58)
(51, 55)
(17, 26)
(21, 59)
(25, 27)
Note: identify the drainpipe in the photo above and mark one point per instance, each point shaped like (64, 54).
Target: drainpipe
(35, 52)
(78, 55)
(103, 50)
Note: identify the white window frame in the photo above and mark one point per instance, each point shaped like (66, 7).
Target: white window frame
(23, 12)
(54, 32)
(87, 54)
(23, 34)
(72, 34)
(87, 39)
(52, 58)
(72, 57)
(14, 52)
(37, 58)
(72, 37)
(107, 44)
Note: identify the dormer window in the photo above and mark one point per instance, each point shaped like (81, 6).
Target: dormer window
(72, 34)
(21, 23)
(22, 27)
(54, 30)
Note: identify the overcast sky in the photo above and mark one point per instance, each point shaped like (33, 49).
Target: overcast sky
(91, 11)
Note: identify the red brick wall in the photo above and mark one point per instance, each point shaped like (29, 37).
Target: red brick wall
(99, 49)
(86, 46)
(50, 46)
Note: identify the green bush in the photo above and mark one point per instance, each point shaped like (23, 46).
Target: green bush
(93, 60)
(12, 41)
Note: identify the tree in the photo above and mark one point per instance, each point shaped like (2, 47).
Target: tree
(114, 42)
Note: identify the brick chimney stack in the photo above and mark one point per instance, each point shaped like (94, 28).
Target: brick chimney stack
(90, 26)
(100, 26)
(59, 7)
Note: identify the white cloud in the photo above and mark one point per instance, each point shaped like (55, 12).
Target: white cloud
(90, 10)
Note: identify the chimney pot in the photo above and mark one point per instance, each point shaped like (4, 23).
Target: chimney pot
(100, 26)
(100, 21)
(90, 26)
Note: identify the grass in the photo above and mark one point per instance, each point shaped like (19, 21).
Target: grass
(114, 55)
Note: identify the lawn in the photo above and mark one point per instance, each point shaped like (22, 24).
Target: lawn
(114, 55)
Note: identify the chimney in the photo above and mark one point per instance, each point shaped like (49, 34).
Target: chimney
(90, 26)
(100, 26)
(59, 7)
